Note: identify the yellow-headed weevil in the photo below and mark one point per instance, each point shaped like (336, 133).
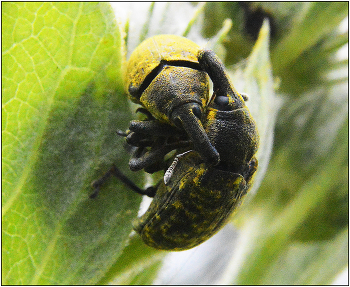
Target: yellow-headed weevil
(196, 198)
(164, 75)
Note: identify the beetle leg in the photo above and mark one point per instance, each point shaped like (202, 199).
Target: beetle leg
(252, 167)
(154, 127)
(139, 139)
(147, 135)
(121, 133)
(154, 157)
(150, 191)
(245, 97)
(146, 113)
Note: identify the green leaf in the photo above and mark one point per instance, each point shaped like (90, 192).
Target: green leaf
(315, 20)
(62, 103)
(304, 261)
(138, 265)
(304, 37)
(264, 104)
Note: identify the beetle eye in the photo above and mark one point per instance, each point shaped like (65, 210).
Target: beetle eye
(222, 101)
(197, 112)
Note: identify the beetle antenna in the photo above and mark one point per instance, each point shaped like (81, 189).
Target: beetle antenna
(169, 172)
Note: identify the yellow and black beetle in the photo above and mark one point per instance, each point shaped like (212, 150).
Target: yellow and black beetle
(165, 76)
(196, 198)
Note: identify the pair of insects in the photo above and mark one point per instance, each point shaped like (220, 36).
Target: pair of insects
(214, 139)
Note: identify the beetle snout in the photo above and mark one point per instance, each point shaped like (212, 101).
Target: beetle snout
(188, 117)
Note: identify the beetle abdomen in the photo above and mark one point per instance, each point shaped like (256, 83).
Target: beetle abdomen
(192, 207)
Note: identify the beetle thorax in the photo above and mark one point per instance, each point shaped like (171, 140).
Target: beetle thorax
(173, 87)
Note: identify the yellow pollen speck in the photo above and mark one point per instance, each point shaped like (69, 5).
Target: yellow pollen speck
(211, 115)
(177, 204)
(237, 181)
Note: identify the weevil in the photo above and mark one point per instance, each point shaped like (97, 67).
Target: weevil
(166, 137)
(164, 75)
(196, 198)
